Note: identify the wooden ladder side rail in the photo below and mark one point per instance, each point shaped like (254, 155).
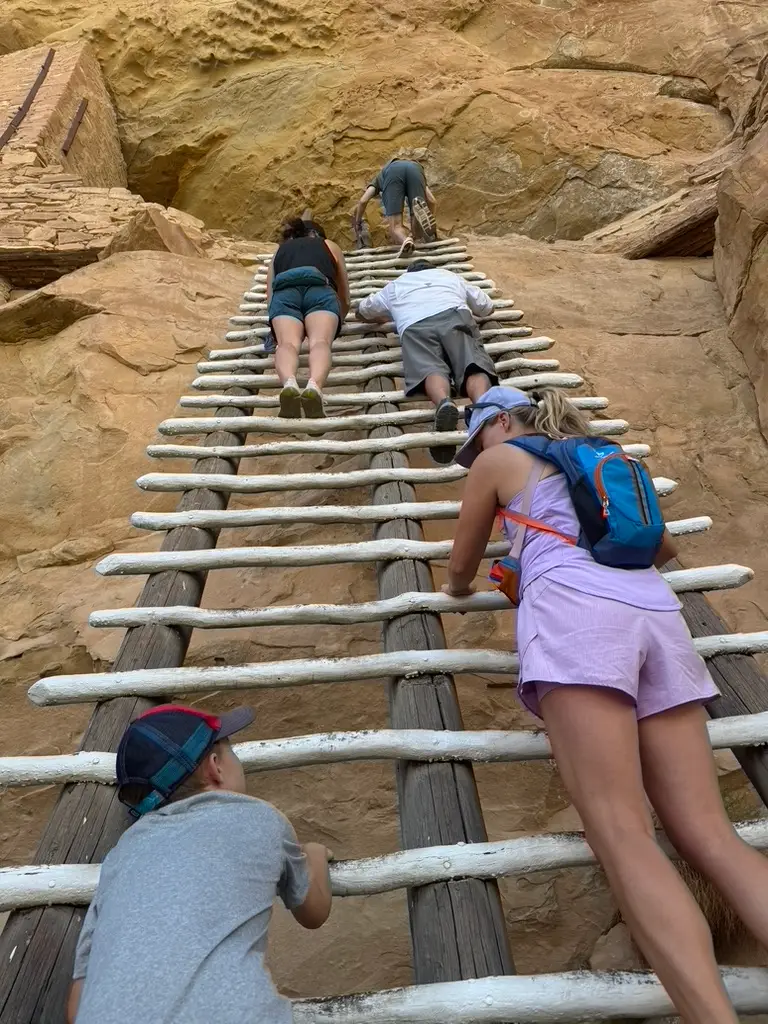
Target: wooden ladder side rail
(743, 687)
(458, 929)
(21, 113)
(37, 946)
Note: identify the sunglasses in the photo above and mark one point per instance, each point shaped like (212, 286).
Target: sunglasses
(469, 409)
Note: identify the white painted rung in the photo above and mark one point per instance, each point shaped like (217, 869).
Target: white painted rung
(276, 425)
(403, 442)
(68, 689)
(265, 483)
(532, 999)
(358, 289)
(489, 746)
(377, 270)
(716, 577)
(361, 342)
(273, 514)
(392, 368)
(257, 303)
(283, 556)
(523, 344)
(87, 687)
(47, 884)
(533, 380)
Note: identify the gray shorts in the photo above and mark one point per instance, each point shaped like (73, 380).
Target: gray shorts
(447, 343)
(400, 180)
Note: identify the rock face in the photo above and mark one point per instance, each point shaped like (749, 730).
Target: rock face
(741, 253)
(550, 118)
(90, 364)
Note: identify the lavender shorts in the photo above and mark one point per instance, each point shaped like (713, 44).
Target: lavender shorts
(567, 637)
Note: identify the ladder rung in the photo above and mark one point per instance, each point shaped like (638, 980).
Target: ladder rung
(153, 683)
(393, 368)
(33, 885)
(712, 577)
(533, 380)
(263, 483)
(368, 445)
(487, 746)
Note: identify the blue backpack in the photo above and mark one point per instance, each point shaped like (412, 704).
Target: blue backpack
(613, 495)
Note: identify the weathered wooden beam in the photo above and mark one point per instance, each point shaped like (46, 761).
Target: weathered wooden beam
(457, 927)
(37, 946)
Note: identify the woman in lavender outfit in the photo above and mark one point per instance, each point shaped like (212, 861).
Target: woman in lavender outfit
(607, 661)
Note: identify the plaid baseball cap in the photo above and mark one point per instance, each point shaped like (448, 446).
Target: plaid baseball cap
(163, 747)
(495, 400)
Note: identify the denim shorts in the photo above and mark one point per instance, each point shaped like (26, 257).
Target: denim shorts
(300, 300)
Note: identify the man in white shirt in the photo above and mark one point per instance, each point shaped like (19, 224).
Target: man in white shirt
(432, 310)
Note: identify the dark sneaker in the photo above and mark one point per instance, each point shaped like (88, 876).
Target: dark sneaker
(312, 404)
(270, 344)
(290, 403)
(425, 219)
(446, 419)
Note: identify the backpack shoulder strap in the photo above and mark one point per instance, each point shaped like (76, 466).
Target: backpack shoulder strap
(525, 509)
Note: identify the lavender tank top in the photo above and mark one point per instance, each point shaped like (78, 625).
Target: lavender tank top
(545, 554)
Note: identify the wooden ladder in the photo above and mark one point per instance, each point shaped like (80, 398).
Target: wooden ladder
(462, 963)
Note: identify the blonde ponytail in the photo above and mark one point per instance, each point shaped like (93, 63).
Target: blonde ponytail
(553, 415)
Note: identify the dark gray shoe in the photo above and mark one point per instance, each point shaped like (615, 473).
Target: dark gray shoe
(446, 419)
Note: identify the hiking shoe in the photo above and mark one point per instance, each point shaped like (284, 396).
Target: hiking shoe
(290, 403)
(312, 403)
(270, 344)
(406, 249)
(446, 418)
(425, 219)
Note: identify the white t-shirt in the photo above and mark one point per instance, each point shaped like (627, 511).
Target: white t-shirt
(424, 293)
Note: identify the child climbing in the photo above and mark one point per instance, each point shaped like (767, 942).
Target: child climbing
(177, 930)
(607, 660)
(307, 291)
(397, 182)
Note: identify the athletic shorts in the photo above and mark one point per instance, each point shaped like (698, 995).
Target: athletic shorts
(447, 343)
(567, 637)
(300, 300)
(401, 180)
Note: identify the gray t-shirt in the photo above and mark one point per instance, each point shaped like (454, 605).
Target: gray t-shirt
(177, 930)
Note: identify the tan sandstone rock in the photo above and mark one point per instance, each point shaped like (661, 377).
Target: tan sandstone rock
(551, 118)
(149, 229)
(741, 253)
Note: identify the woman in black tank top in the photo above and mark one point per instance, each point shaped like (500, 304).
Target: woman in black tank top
(308, 294)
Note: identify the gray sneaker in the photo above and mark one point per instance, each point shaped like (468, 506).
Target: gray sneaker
(425, 219)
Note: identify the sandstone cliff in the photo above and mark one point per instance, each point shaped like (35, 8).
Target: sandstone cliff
(549, 118)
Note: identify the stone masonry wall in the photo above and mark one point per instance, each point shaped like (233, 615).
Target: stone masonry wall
(95, 155)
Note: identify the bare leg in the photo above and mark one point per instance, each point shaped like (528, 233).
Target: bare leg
(681, 782)
(321, 330)
(289, 334)
(396, 229)
(594, 735)
(437, 388)
(476, 385)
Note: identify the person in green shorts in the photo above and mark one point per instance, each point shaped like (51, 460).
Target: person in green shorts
(397, 182)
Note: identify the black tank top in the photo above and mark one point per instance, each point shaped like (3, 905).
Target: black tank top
(306, 252)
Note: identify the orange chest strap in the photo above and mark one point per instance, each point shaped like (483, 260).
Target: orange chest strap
(535, 524)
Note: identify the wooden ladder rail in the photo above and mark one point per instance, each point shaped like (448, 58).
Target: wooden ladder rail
(457, 928)
(37, 946)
